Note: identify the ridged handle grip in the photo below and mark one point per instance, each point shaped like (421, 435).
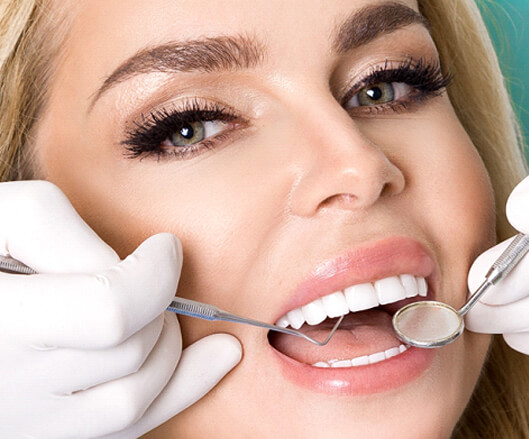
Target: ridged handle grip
(191, 308)
(516, 250)
(12, 266)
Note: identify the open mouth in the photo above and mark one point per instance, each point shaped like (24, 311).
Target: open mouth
(366, 334)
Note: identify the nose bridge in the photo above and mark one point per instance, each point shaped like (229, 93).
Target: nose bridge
(343, 168)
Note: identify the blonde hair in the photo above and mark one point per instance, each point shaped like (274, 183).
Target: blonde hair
(499, 407)
(30, 42)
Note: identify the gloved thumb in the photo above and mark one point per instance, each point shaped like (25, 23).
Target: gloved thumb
(518, 206)
(511, 288)
(202, 365)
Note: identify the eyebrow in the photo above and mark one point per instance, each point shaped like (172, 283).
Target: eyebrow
(223, 53)
(231, 53)
(373, 21)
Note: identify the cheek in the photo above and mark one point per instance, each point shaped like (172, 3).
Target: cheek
(450, 196)
(218, 204)
(447, 185)
(457, 191)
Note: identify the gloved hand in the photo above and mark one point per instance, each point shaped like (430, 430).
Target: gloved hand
(504, 308)
(86, 349)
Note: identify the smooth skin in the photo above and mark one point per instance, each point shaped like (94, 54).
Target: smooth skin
(302, 182)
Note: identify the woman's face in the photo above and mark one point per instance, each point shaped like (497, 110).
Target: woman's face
(297, 149)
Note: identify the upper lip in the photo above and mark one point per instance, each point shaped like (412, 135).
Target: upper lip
(365, 263)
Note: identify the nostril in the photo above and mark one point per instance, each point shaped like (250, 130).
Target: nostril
(345, 201)
(386, 190)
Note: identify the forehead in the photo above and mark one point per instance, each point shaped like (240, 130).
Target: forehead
(103, 34)
(122, 26)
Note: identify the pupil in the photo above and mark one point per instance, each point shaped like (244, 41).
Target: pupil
(187, 131)
(374, 93)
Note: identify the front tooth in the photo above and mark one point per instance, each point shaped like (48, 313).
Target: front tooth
(392, 352)
(389, 290)
(365, 359)
(423, 286)
(283, 322)
(314, 312)
(296, 318)
(341, 363)
(410, 285)
(360, 361)
(361, 296)
(335, 304)
(321, 364)
(376, 358)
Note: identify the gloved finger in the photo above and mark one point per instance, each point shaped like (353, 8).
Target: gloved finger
(39, 227)
(514, 287)
(518, 341)
(97, 366)
(122, 402)
(499, 319)
(93, 311)
(517, 205)
(202, 365)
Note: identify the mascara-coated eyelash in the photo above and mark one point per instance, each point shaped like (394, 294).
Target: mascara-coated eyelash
(148, 136)
(426, 78)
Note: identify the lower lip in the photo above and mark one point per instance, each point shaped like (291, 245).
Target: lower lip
(362, 380)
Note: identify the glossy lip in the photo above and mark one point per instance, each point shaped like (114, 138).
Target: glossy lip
(368, 262)
(361, 380)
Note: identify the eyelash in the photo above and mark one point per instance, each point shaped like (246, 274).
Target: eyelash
(146, 136)
(425, 77)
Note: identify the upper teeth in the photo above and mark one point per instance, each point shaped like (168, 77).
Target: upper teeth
(356, 298)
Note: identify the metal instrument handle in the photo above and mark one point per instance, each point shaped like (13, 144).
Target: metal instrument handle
(501, 267)
(513, 254)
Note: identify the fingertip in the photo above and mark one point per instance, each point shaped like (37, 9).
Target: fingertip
(172, 323)
(229, 349)
(474, 320)
(167, 245)
(516, 208)
(163, 251)
(518, 341)
(481, 265)
(224, 349)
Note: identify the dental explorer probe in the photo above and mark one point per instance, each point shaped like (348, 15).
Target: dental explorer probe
(188, 307)
(432, 324)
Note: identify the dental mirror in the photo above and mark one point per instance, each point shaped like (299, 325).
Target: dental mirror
(431, 324)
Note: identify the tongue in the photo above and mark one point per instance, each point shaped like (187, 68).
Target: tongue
(360, 333)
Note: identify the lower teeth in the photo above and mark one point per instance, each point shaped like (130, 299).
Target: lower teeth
(365, 359)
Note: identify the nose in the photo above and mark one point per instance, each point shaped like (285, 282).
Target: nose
(341, 167)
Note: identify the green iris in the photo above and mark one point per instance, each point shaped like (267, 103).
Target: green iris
(188, 134)
(377, 94)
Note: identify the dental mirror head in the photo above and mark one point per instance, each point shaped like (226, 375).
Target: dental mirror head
(431, 324)
(428, 324)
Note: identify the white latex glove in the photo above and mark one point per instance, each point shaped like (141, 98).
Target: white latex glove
(86, 349)
(504, 308)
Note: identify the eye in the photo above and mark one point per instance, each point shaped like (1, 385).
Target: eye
(189, 133)
(379, 94)
(183, 132)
